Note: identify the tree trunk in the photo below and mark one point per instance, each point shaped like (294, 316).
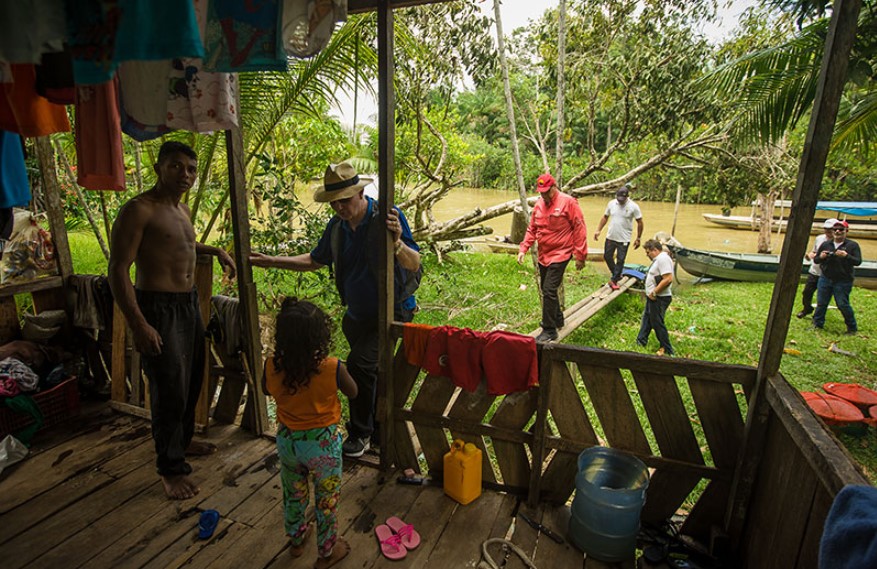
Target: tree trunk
(765, 214)
(510, 109)
(561, 89)
(71, 178)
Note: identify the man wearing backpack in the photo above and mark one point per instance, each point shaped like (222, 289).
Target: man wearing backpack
(351, 243)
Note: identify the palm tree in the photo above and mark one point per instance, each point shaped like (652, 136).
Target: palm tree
(776, 86)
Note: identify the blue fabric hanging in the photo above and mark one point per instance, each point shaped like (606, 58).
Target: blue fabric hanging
(14, 185)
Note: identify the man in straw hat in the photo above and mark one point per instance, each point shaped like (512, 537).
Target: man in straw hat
(351, 243)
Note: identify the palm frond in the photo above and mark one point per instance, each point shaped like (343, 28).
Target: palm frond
(858, 130)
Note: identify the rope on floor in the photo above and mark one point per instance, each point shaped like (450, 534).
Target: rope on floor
(487, 561)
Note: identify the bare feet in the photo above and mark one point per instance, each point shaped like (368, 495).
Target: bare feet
(297, 550)
(339, 552)
(179, 487)
(197, 448)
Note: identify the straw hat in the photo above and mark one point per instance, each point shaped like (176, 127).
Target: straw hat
(340, 182)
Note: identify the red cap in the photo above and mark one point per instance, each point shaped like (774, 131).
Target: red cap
(545, 182)
(843, 224)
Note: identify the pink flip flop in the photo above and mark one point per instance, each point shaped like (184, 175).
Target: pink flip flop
(391, 543)
(409, 536)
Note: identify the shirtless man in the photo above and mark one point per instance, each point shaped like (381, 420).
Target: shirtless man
(153, 232)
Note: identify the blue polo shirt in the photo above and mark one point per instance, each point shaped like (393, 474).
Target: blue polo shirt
(359, 284)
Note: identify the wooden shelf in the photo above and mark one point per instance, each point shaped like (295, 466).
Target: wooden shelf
(44, 283)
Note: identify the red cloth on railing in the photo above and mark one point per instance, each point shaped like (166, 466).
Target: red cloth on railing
(507, 361)
(510, 362)
(414, 340)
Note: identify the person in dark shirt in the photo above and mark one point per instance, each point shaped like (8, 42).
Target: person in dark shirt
(837, 258)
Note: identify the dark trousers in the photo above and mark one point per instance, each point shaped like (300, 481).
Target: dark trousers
(175, 375)
(653, 319)
(362, 363)
(614, 255)
(550, 278)
(807, 294)
(840, 290)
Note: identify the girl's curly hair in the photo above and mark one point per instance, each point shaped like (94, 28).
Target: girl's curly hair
(302, 341)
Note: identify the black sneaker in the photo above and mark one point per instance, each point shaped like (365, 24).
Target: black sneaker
(355, 448)
(547, 335)
(803, 313)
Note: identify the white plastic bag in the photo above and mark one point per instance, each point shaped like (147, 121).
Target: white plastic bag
(12, 450)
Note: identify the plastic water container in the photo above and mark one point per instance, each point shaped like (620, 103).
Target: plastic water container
(462, 475)
(610, 493)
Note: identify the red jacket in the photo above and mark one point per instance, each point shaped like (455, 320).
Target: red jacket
(560, 230)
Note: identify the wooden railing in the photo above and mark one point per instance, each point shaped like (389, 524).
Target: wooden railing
(690, 433)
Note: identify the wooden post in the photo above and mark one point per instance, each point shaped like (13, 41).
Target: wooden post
(54, 207)
(832, 76)
(549, 372)
(249, 309)
(386, 198)
(204, 286)
(676, 209)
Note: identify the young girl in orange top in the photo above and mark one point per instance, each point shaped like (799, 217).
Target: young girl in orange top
(305, 382)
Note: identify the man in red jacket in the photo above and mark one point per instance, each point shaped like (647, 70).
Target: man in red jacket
(558, 226)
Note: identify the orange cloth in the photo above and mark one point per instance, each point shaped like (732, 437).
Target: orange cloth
(414, 340)
(313, 406)
(99, 153)
(23, 111)
(510, 362)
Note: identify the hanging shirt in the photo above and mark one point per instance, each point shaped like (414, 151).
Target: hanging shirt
(307, 25)
(143, 98)
(242, 36)
(559, 228)
(99, 138)
(30, 28)
(14, 186)
(23, 111)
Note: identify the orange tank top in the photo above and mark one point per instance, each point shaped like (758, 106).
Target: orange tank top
(311, 407)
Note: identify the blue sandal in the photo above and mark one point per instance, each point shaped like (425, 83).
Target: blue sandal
(207, 524)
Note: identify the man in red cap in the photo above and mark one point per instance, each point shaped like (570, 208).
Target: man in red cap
(558, 226)
(838, 259)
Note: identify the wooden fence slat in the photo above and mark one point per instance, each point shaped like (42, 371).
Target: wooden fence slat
(615, 409)
(720, 418)
(708, 511)
(668, 416)
(404, 374)
(514, 412)
(473, 407)
(435, 392)
(567, 409)
(808, 556)
(667, 491)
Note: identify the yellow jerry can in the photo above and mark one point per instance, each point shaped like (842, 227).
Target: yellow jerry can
(462, 474)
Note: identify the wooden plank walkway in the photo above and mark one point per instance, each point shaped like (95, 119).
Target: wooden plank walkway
(583, 310)
(88, 496)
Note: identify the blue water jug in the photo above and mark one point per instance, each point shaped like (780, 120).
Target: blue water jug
(610, 493)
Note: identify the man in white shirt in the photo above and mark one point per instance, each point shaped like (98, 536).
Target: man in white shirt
(659, 279)
(620, 213)
(815, 270)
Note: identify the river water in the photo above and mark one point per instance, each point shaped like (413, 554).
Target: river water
(692, 230)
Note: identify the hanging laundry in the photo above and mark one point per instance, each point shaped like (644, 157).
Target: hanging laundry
(31, 28)
(5, 72)
(415, 337)
(242, 36)
(307, 25)
(104, 33)
(455, 353)
(510, 362)
(23, 111)
(55, 78)
(101, 163)
(14, 185)
(200, 100)
(143, 98)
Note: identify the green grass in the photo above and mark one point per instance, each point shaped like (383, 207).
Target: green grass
(717, 321)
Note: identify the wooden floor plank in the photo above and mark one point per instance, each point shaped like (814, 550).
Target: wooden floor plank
(66, 460)
(468, 527)
(549, 553)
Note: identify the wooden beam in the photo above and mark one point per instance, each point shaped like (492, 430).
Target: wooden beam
(249, 309)
(552, 370)
(54, 207)
(362, 6)
(832, 78)
(386, 199)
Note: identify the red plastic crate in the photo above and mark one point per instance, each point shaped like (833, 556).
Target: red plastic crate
(56, 404)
